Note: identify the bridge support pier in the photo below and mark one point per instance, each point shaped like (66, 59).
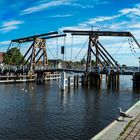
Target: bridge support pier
(93, 79)
(136, 80)
(40, 79)
(85, 80)
(113, 80)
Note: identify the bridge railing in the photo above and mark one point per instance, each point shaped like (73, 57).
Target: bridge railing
(99, 69)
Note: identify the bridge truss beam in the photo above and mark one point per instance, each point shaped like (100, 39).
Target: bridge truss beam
(100, 53)
(37, 50)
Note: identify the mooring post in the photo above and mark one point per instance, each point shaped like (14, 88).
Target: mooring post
(118, 80)
(109, 81)
(136, 80)
(63, 82)
(74, 81)
(113, 80)
(69, 82)
(77, 80)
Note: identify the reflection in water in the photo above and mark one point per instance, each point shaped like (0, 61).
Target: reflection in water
(45, 112)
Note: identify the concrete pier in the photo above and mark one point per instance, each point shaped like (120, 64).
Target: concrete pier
(116, 128)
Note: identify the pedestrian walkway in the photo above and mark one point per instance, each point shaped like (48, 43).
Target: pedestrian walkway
(132, 130)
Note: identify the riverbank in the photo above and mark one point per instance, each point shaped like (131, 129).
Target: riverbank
(132, 130)
(117, 128)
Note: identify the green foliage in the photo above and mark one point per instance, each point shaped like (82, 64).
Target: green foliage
(13, 56)
(124, 65)
(93, 63)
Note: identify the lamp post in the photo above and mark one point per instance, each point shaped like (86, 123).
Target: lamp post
(62, 52)
(63, 73)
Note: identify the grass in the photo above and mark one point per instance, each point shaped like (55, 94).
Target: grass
(125, 128)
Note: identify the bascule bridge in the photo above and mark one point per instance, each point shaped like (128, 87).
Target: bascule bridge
(102, 56)
(105, 63)
(36, 51)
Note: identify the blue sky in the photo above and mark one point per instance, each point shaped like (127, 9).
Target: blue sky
(29, 17)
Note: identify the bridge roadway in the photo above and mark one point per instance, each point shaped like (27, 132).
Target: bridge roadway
(106, 71)
(81, 71)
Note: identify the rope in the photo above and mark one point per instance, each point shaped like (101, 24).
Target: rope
(80, 50)
(120, 46)
(51, 52)
(85, 54)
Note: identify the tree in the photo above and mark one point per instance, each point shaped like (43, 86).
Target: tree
(93, 63)
(13, 56)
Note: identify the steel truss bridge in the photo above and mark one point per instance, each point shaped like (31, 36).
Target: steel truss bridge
(37, 51)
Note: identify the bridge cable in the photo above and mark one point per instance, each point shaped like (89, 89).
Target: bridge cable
(120, 46)
(71, 48)
(51, 52)
(80, 50)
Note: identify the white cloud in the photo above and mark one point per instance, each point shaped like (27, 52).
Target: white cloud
(80, 5)
(134, 11)
(102, 19)
(61, 16)
(118, 25)
(5, 42)
(10, 25)
(93, 22)
(43, 6)
(136, 26)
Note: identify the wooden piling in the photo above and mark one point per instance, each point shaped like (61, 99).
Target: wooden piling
(136, 80)
(109, 81)
(77, 80)
(69, 82)
(74, 81)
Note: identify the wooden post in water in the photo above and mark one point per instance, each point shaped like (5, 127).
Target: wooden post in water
(77, 80)
(69, 82)
(118, 80)
(63, 82)
(113, 81)
(74, 81)
(136, 80)
(40, 78)
(109, 81)
(95, 79)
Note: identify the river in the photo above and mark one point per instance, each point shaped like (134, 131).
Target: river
(43, 112)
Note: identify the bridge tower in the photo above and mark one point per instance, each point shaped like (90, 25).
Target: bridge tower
(39, 44)
(35, 54)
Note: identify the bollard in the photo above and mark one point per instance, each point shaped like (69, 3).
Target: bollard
(74, 82)
(69, 82)
(77, 80)
(63, 82)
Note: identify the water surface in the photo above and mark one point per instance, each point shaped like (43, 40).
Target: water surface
(30, 111)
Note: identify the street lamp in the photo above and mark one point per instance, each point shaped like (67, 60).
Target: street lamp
(62, 52)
